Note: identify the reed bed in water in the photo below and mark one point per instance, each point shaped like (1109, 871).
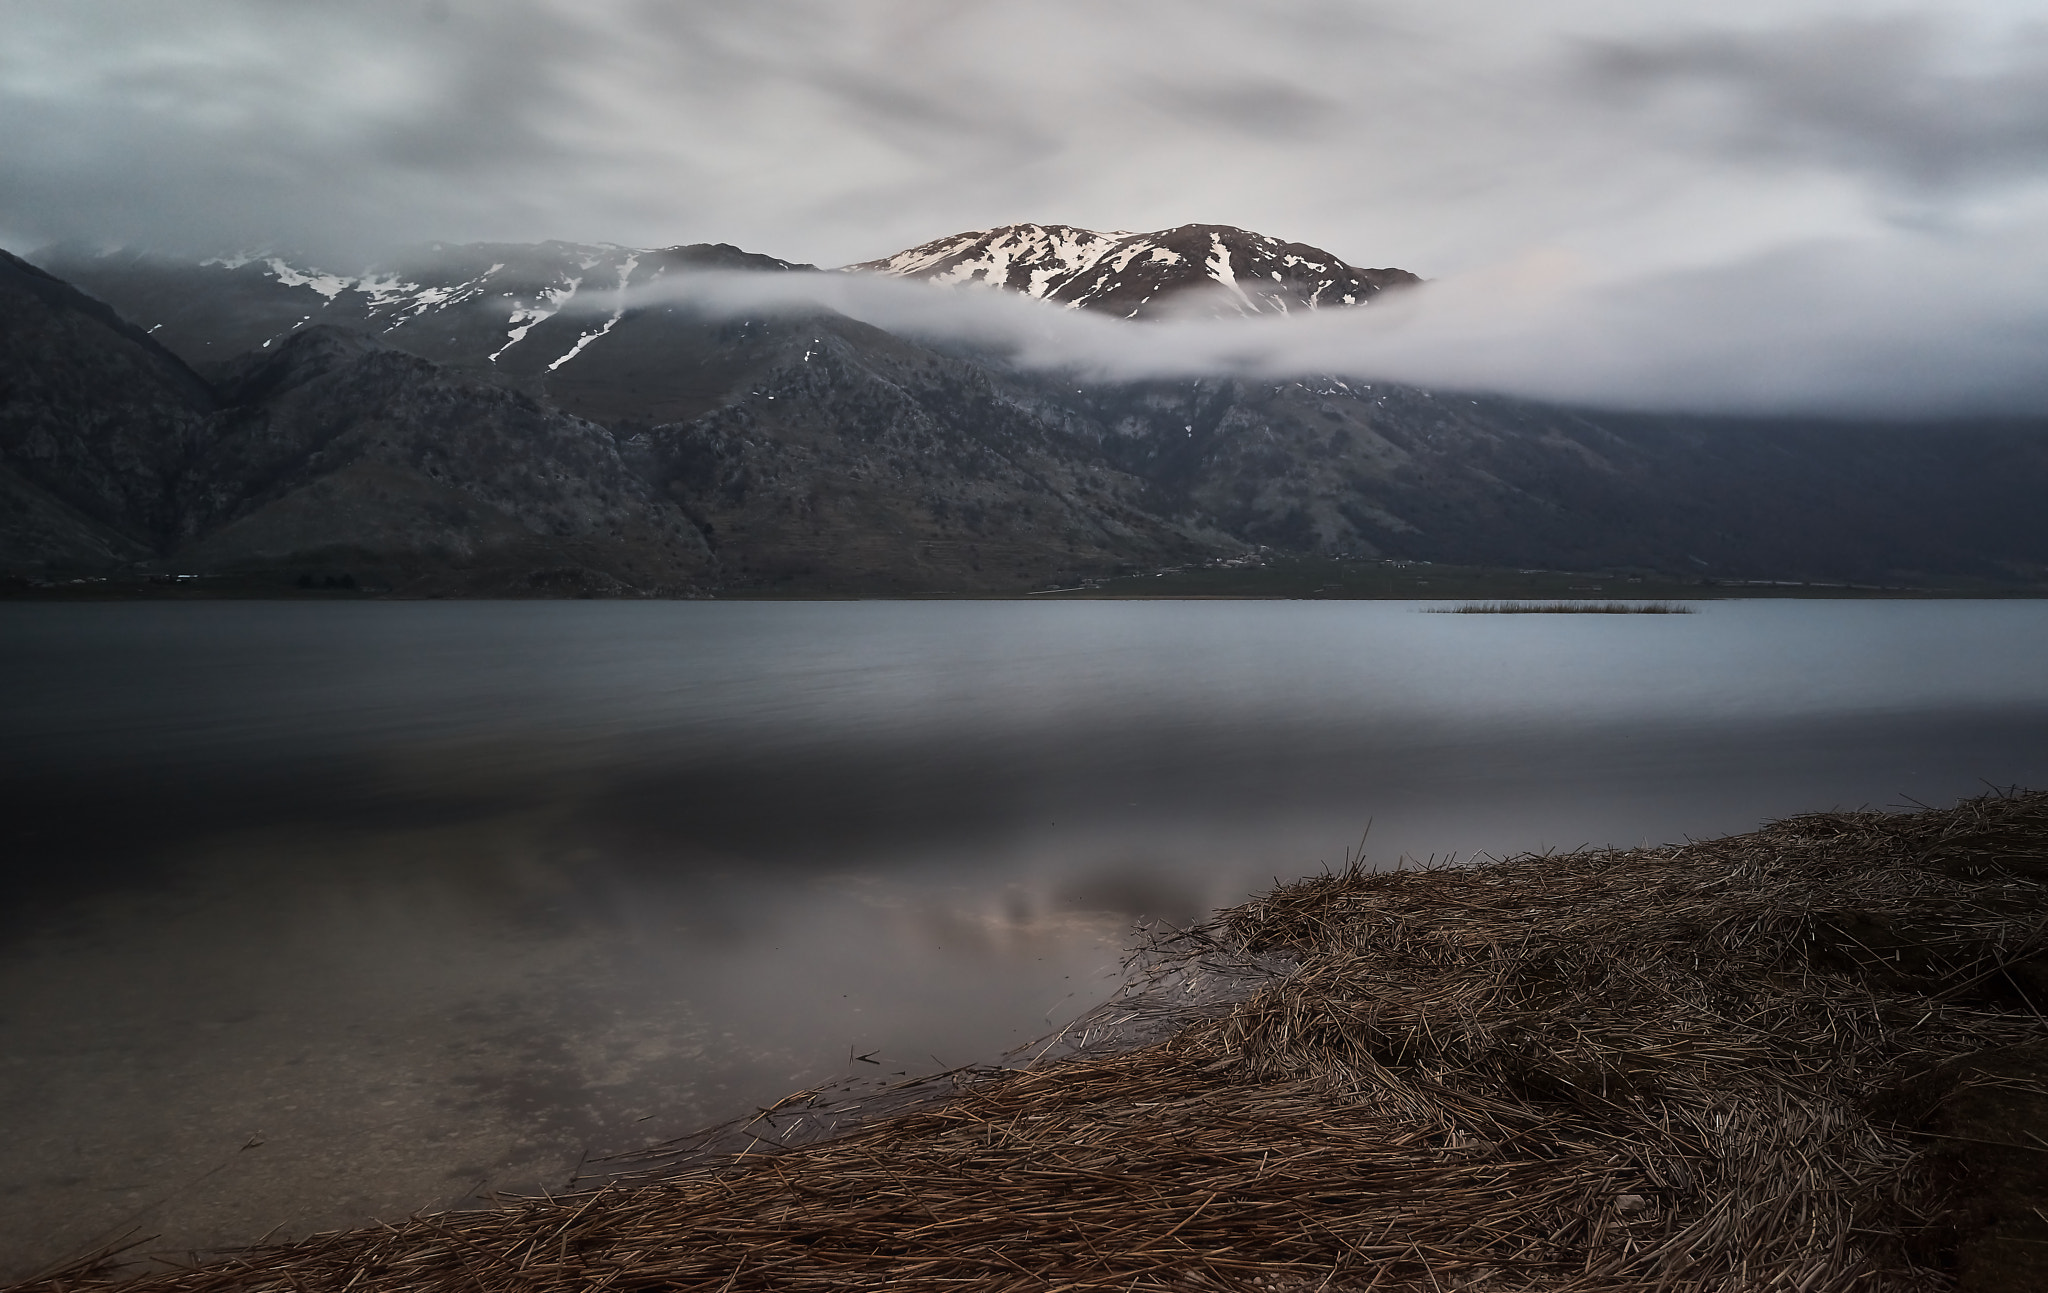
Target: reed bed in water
(1674, 1068)
(1565, 608)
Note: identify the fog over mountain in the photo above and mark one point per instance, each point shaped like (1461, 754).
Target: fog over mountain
(506, 419)
(1829, 333)
(1802, 204)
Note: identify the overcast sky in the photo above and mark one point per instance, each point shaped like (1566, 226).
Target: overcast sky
(1817, 160)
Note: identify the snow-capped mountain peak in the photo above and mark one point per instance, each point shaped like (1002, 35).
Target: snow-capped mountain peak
(1034, 259)
(1203, 269)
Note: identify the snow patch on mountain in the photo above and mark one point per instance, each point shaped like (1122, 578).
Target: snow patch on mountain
(626, 269)
(327, 285)
(523, 286)
(1218, 268)
(545, 306)
(1208, 269)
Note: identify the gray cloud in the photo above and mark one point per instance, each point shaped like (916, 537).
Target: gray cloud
(1900, 99)
(275, 124)
(1716, 155)
(1268, 107)
(774, 123)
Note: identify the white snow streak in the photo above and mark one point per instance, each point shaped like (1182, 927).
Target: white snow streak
(545, 307)
(1219, 269)
(626, 269)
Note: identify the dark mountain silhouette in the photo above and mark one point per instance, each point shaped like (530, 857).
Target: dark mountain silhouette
(446, 425)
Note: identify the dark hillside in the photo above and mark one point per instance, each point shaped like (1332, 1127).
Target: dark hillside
(1380, 470)
(97, 425)
(339, 455)
(813, 454)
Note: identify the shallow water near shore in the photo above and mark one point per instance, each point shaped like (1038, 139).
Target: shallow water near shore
(325, 912)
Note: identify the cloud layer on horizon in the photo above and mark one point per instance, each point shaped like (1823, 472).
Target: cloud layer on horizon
(1796, 196)
(1746, 340)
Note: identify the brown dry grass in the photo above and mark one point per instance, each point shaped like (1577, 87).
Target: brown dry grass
(1642, 1069)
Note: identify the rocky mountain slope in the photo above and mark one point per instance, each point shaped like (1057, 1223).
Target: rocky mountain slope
(336, 452)
(97, 422)
(804, 453)
(493, 307)
(452, 426)
(1193, 269)
(324, 455)
(1336, 466)
(536, 315)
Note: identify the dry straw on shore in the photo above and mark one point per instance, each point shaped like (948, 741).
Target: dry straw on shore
(1686, 1068)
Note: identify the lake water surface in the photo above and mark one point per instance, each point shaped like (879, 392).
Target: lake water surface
(319, 912)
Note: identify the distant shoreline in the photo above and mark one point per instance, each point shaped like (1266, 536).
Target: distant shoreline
(1268, 578)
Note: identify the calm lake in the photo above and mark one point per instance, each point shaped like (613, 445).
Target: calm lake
(319, 912)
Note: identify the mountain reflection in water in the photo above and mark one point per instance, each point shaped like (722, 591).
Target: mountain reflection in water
(329, 911)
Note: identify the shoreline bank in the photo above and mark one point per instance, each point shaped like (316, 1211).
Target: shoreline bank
(1807, 1057)
(1260, 577)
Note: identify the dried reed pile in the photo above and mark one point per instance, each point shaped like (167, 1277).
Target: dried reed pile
(1646, 1069)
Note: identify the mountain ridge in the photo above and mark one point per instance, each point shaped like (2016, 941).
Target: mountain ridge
(648, 447)
(533, 308)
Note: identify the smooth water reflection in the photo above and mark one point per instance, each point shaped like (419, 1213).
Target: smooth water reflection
(329, 911)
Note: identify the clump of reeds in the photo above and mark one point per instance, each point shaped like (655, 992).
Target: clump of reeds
(1607, 1070)
(1564, 608)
